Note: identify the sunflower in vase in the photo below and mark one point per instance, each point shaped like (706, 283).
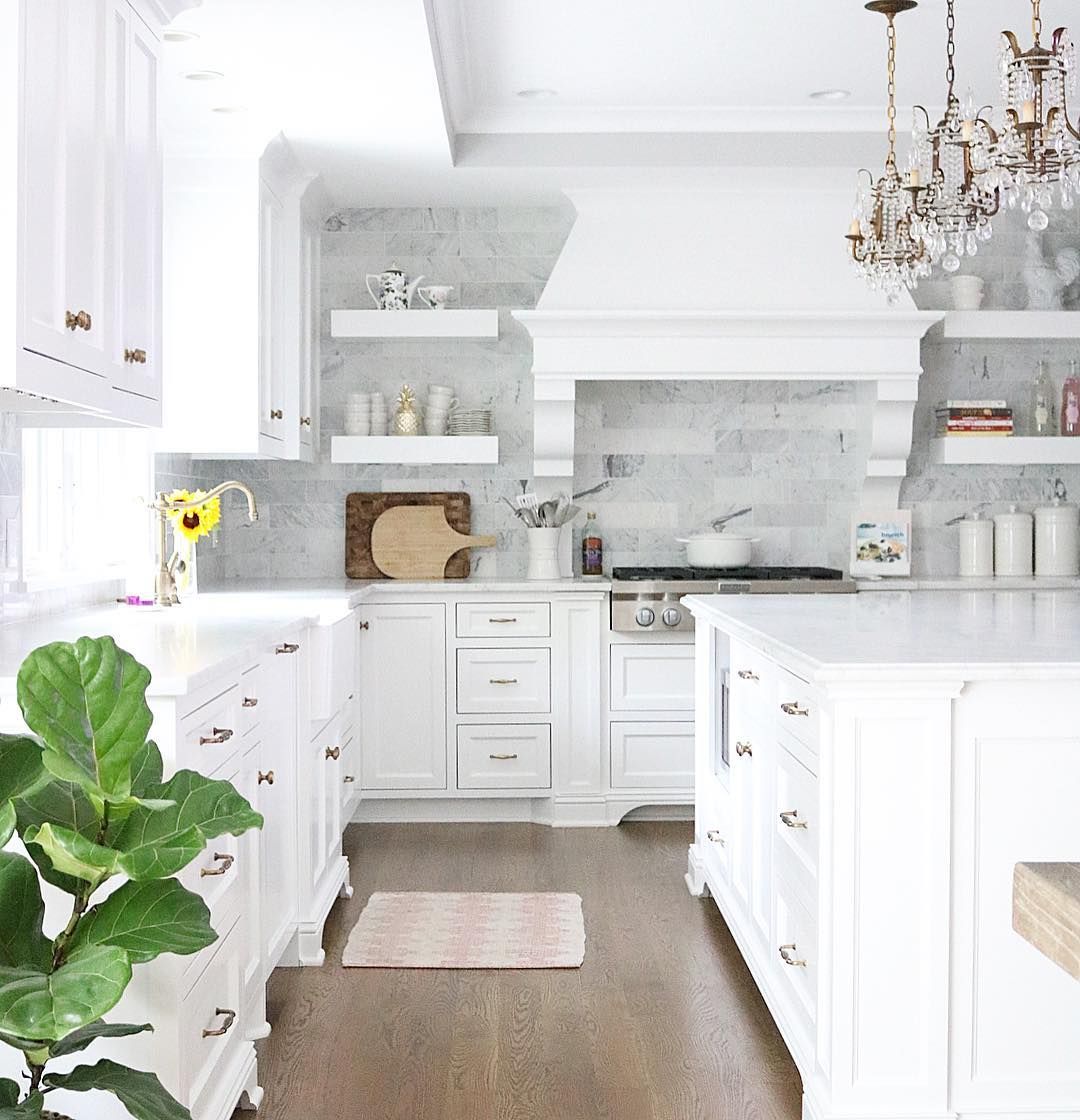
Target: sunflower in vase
(189, 527)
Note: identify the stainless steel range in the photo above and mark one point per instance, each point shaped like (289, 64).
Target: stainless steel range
(649, 599)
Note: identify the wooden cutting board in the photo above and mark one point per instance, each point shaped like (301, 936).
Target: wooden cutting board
(362, 510)
(415, 542)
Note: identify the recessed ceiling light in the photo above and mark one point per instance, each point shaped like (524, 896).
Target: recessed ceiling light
(229, 109)
(179, 35)
(535, 94)
(830, 95)
(204, 76)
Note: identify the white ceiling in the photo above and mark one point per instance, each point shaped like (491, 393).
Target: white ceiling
(415, 101)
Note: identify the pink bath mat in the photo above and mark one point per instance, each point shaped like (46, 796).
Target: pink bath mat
(444, 930)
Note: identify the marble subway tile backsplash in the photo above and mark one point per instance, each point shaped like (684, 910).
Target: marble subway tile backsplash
(673, 454)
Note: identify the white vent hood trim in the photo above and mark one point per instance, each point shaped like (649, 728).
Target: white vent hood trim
(780, 303)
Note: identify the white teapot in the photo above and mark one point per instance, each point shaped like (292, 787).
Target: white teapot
(391, 289)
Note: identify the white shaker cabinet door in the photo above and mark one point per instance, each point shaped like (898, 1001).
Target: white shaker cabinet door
(403, 696)
(273, 414)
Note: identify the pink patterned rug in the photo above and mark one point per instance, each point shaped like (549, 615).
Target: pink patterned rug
(433, 930)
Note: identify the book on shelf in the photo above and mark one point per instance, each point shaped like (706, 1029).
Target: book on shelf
(972, 404)
(974, 413)
(988, 433)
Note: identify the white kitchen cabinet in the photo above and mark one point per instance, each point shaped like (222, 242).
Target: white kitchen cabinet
(244, 333)
(652, 677)
(403, 690)
(513, 757)
(652, 755)
(83, 220)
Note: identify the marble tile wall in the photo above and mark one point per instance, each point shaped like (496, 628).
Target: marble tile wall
(672, 454)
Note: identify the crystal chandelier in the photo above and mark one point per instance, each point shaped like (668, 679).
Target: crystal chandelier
(952, 197)
(886, 251)
(1037, 147)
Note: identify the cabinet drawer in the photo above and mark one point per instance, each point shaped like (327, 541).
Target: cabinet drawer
(250, 700)
(207, 1008)
(798, 710)
(210, 736)
(503, 680)
(652, 678)
(504, 620)
(752, 683)
(795, 951)
(652, 756)
(492, 757)
(796, 819)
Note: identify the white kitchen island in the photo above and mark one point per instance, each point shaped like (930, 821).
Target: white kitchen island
(880, 765)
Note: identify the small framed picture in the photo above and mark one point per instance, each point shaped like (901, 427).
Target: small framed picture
(881, 544)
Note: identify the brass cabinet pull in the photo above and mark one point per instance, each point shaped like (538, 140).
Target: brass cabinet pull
(790, 817)
(502, 757)
(250, 702)
(230, 1018)
(268, 777)
(365, 625)
(748, 675)
(744, 749)
(305, 421)
(348, 779)
(333, 753)
(277, 414)
(220, 735)
(793, 709)
(502, 621)
(786, 956)
(78, 320)
(503, 680)
(716, 838)
(135, 357)
(286, 647)
(207, 872)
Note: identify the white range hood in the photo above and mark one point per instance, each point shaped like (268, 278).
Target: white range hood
(720, 284)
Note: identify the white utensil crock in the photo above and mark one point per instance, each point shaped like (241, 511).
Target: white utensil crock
(543, 553)
(1014, 550)
(1057, 540)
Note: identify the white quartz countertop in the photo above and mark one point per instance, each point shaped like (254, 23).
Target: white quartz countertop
(185, 646)
(967, 634)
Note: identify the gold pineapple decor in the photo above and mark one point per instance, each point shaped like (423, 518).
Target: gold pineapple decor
(406, 419)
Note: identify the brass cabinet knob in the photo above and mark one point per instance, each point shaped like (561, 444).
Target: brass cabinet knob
(286, 647)
(226, 861)
(790, 817)
(220, 735)
(305, 421)
(78, 320)
(715, 837)
(230, 1018)
(365, 625)
(333, 754)
(249, 702)
(748, 675)
(135, 357)
(794, 709)
(744, 749)
(787, 955)
(348, 779)
(267, 778)
(277, 414)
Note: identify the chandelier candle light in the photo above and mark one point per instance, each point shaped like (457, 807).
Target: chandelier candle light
(887, 251)
(1037, 147)
(952, 198)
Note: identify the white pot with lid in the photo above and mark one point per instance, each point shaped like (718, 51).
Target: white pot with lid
(1057, 539)
(717, 548)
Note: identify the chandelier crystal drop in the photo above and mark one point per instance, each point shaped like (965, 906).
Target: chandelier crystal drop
(887, 252)
(953, 197)
(1036, 152)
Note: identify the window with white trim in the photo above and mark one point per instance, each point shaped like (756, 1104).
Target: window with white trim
(84, 513)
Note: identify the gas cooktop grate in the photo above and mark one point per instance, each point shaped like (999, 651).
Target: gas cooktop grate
(674, 575)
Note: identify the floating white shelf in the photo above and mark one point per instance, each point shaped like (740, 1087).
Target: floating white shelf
(482, 323)
(415, 450)
(1005, 450)
(1010, 324)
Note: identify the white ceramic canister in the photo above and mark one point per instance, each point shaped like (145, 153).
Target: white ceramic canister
(1014, 547)
(976, 546)
(1057, 539)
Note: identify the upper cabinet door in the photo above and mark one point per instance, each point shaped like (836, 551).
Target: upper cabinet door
(309, 340)
(273, 411)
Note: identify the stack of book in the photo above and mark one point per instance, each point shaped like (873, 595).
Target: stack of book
(974, 418)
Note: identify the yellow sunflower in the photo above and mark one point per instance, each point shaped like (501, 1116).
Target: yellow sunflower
(199, 520)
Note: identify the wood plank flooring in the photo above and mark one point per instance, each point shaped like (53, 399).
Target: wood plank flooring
(663, 1021)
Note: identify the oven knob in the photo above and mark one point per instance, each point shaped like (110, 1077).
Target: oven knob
(672, 616)
(645, 616)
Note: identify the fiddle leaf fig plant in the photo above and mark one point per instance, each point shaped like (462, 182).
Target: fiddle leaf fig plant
(86, 796)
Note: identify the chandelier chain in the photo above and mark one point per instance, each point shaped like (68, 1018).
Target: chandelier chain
(891, 158)
(1036, 20)
(950, 48)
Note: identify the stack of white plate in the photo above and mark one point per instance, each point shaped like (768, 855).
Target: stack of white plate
(470, 422)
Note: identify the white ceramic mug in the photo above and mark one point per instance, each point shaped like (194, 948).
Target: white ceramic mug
(967, 292)
(440, 393)
(435, 422)
(436, 295)
(357, 425)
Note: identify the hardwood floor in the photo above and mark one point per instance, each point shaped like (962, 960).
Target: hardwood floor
(662, 1022)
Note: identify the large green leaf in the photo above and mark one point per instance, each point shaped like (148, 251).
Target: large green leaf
(29, 1109)
(22, 944)
(146, 769)
(147, 919)
(8, 821)
(9, 1092)
(159, 842)
(21, 767)
(141, 1093)
(74, 855)
(63, 804)
(84, 1036)
(49, 1006)
(87, 701)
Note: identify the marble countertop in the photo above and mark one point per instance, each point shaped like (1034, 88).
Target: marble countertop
(1046, 910)
(968, 634)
